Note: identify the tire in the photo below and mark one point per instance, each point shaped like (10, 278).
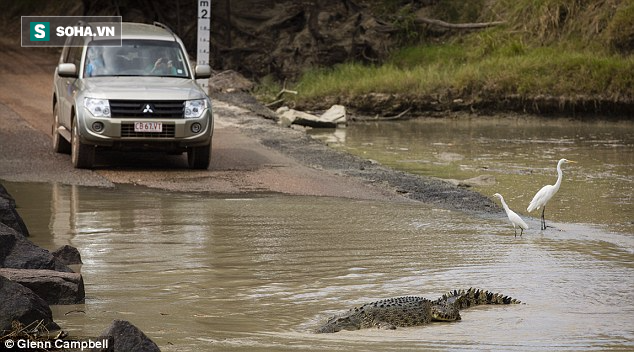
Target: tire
(199, 157)
(60, 144)
(82, 155)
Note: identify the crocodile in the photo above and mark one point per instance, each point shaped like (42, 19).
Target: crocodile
(396, 312)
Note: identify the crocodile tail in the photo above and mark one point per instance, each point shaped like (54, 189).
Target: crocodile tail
(476, 297)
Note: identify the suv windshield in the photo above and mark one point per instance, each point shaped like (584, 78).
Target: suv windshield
(135, 58)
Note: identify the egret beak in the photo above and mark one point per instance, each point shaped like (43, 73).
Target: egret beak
(572, 161)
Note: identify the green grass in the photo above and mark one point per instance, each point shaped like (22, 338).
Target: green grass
(512, 69)
(561, 48)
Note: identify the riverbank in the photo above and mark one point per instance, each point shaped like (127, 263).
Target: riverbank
(439, 79)
(564, 58)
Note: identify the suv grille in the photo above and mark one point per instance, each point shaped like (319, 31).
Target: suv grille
(127, 130)
(148, 109)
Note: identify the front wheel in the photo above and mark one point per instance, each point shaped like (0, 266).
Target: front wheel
(82, 155)
(199, 157)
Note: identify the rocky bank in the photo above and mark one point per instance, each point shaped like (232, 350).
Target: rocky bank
(32, 278)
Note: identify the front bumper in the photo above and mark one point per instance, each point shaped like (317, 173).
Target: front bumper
(118, 133)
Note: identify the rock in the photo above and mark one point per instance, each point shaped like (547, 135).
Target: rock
(54, 287)
(282, 109)
(126, 337)
(17, 252)
(285, 116)
(8, 215)
(21, 304)
(7, 242)
(68, 255)
(4, 194)
(334, 116)
(292, 116)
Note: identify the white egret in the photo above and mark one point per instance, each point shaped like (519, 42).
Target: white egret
(513, 217)
(547, 192)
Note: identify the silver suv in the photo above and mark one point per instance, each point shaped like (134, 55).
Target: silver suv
(139, 93)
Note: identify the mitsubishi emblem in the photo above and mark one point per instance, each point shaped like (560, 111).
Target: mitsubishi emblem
(148, 109)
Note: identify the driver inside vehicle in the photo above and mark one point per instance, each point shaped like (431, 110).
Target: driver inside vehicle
(162, 65)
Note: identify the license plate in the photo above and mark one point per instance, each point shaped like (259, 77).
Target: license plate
(148, 127)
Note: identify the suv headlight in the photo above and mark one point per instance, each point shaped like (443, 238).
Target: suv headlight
(195, 108)
(97, 107)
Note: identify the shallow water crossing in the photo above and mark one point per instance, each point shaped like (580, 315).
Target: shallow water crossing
(197, 272)
(202, 272)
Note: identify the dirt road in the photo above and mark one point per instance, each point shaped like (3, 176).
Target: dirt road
(239, 164)
(249, 153)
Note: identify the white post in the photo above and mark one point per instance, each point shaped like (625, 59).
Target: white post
(204, 28)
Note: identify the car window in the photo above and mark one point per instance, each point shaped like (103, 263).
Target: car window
(135, 58)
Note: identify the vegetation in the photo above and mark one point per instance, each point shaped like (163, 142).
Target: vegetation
(579, 51)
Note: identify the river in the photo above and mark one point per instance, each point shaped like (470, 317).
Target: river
(203, 272)
(521, 154)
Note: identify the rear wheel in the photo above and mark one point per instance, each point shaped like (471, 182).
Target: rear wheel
(60, 144)
(199, 157)
(82, 155)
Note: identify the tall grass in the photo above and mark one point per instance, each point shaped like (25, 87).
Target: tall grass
(549, 47)
(444, 69)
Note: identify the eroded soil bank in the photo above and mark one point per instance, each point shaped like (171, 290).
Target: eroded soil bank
(386, 105)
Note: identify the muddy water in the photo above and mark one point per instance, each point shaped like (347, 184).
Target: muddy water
(198, 272)
(520, 154)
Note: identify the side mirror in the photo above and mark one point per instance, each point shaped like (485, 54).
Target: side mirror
(202, 71)
(67, 70)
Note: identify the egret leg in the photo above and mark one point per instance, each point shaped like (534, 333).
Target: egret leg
(515, 231)
(543, 220)
(521, 231)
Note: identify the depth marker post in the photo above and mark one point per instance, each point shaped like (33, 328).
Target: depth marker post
(204, 31)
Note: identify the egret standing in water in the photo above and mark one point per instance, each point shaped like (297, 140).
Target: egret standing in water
(543, 196)
(513, 217)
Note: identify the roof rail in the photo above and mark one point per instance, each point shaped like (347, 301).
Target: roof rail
(164, 26)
